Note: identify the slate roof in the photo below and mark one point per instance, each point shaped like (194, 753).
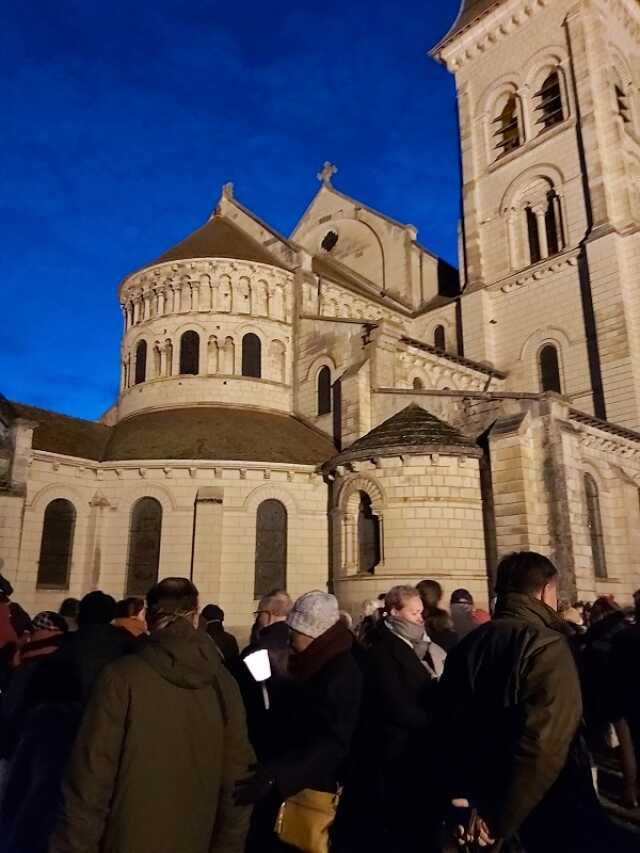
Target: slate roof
(457, 359)
(413, 430)
(605, 426)
(65, 435)
(220, 238)
(217, 433)
(470, 12)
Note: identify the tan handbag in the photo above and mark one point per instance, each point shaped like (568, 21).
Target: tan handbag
(305, 819)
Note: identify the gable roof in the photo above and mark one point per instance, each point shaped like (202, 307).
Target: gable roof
(470, 12)
(220, 238)
(414, 430)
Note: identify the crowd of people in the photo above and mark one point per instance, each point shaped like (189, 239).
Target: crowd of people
(140, 725)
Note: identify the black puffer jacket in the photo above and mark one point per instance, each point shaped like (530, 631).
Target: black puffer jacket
(511, 702)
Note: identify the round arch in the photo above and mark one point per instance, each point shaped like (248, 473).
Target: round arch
(359, 483)
(270, 492)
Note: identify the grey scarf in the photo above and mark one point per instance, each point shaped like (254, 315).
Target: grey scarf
(412, 633)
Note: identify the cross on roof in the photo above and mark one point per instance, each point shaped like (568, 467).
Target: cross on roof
(326, 173)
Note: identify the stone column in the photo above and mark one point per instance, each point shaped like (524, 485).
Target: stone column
(541, 224)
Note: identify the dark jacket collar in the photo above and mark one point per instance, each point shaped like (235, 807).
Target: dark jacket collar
(526, 608)
(336, 641)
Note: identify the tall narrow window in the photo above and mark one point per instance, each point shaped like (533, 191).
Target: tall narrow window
(252, 356)
(549, 102)
(534, 238)
(440, 338)
(56, 545)
(550, 369)
(594, 520)
(368, 536)
(271, 548)
(324, 391)
(552, 224)
(190, 353)
(141, 362)
(144, 546)
(418, 384)
(507, 131)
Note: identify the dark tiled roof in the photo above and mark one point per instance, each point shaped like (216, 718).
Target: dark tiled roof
(605, 426)
(207, 432)
(413, 430)
(470, 11)
(218, 433)
(65, 435)
(457, 359)
(220, 238)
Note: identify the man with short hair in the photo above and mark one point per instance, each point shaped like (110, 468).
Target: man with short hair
(161, 745)
(512, 702)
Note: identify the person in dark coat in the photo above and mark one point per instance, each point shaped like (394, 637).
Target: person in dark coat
(511, 689)
(130, 616)
(162, 743)
(322, 716)
(388, 770)
(96, 643)
(8, 636)
(212, 622)
(437, 620)
(625, 657)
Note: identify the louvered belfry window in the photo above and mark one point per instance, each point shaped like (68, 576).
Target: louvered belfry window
(251, 356)
(56, 545)
(271, 548)
(507, 127)
(324, 391)
(144, 546)
(368, 536)
(190, 353)
(549, 102)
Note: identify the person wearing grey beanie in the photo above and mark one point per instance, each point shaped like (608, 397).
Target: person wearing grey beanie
(321, 714)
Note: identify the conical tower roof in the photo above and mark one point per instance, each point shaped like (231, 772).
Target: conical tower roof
(414, 430)
(220, 238)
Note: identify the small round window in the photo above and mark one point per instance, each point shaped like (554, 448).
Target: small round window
(329, 241)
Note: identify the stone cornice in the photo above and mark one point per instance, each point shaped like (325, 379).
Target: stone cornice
(478, 40)
(147, 279)
(538, 271)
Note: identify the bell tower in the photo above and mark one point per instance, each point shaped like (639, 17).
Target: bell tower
(549, 119)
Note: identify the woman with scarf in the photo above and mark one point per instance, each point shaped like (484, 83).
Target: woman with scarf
(322, 713)
(395, 736)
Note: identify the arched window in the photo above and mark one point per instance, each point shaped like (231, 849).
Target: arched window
(144, 546)
(440, 338)
(594, 520)
(56, 545)
(252, 356)
(324, 391)
(507, 124)
(141, 362)
(368, 536)
(329, 241)
(271, 548)
(190, 353)
(418, 384)
(550, 369)
(549, 102)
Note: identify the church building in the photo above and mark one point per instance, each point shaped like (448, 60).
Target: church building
(342, 409)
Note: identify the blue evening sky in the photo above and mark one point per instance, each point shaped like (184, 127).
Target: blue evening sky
(121, 121)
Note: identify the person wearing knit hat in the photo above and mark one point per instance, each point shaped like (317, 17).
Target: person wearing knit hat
(321, 716)
(48, 630)
(312, 614)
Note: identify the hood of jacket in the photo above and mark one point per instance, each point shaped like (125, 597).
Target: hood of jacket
(181, 655)
(526, 608)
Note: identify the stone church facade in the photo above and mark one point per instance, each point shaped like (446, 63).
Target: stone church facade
(340, 408)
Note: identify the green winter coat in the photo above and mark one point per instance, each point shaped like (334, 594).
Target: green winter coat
(162, 742)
